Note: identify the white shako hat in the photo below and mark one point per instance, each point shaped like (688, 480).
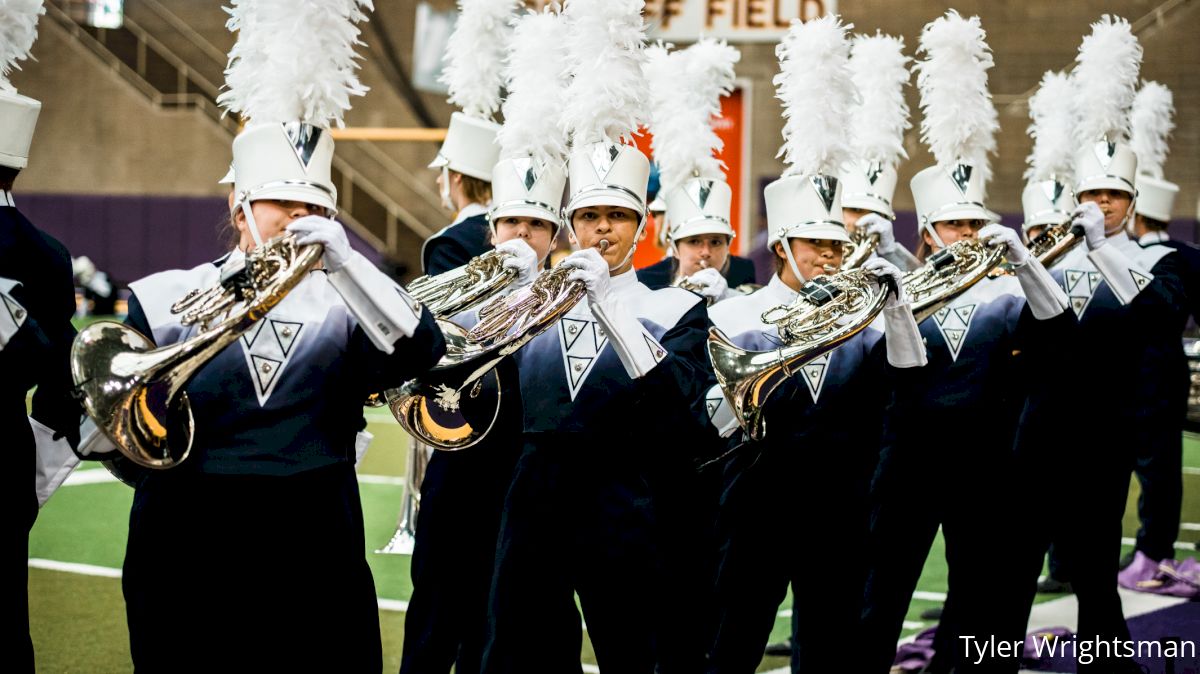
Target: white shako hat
(699, 206)
(18, 118)
(608, 174)
(1045, 203)
(816, 89)
(959, 122)
(18, 114)
(870, 186)
(1155, 198)
(469, 148)
(286, 161)
(289, 94)
(531, 177)
(522, 187)
(1153, 109)
(805, 207)
(949, 193)
(1106, 78)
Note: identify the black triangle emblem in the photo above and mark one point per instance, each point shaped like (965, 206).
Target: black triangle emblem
(712, 405)
(286, 334)
(940, 316)
(525, 172)
(265, 371)
(604, 155)
(16, 311)
(252, 334)
(572, 328)
(699, 190)
(961, 176)
(1079, 305)
(1105, 151)
(1140, 280)
(304, 139)
(826, 188)
(874, 171)
(656, 349)
(579, 367)
(1053, 190)
(1072, 278)
(1094, 279)
(964, 313)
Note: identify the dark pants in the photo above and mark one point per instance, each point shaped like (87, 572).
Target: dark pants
(1159, 469)
(19, 512)
(250, 573)
(462, 495)
(918, 487)
(762, 551)
(577, 519)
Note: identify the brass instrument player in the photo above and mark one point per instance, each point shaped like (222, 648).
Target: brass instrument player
(37, 301)
(686, 88)
(623, 368)
(462, 492)
(821, 422)
(210, 576)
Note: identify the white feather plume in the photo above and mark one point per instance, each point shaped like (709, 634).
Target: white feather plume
(607, 97)
(18, 30)
(815, 87)
(474, 57)
(880, 72)
(685, 94)
(1053, 130)
(1152, 122)
(293, 61)
(960, 122)
(1106, 78)
(537, 81)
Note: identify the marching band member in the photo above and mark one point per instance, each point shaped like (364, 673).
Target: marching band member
(1122, 295)
(972, 342)
(622, 369)
(1165, 383)
(37, 301)
(1047, 199)
(820, 420)
(473, 74)
(880, 72)
(686, 88)
(211, 572)
(462, 492)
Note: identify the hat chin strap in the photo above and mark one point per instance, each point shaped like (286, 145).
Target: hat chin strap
(250, 223)
(937, 240)
(1126, 222)
(632, 249)
(445, 191)
(791, 260)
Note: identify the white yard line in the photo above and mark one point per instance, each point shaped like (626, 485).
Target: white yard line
(929, 596)
(84, 477)
(71, 567)
(1178, 545)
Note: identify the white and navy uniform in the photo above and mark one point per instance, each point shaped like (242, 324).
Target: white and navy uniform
(254, 543)
(946, 461)
(462, 495)
(37, 301)
(1125, 298)
(1162, 404)
(580, 515)
(662, 274)
(822, 424)
(455, 244)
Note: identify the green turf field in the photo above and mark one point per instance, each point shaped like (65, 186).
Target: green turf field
(78, 620)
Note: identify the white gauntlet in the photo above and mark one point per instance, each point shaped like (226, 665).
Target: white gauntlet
(385, 312)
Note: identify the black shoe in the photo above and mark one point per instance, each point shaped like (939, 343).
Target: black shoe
(783, 649)
(934, 613)
(1050, 585)
(1127, 560)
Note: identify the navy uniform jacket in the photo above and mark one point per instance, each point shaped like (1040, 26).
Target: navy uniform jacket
(834, 401)
(40, 353)
(287, 396)
(662, 274)
(467, 237)
(977, 345)
(1114, 352)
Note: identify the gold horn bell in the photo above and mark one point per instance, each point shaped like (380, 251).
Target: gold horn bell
(134, 391)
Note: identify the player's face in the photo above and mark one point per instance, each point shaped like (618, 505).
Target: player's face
(1113, 203)
(538, 233)
(616, 224)
(952, 231)
(703, 251)
(272, 216)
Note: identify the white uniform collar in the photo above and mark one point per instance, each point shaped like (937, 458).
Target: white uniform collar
(779, 291)
(1154, 237)
(623, 282)
(1120, 238)
(469, 211)
(6, 199)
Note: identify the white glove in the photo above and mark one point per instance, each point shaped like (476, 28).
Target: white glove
(1089, 216)
(524, 260)
(997, 234)
(712, 284)
(327, 232)
(592, 270)
(873, 223)
(882, 269)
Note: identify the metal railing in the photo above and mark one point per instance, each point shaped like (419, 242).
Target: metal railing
(192, 90)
